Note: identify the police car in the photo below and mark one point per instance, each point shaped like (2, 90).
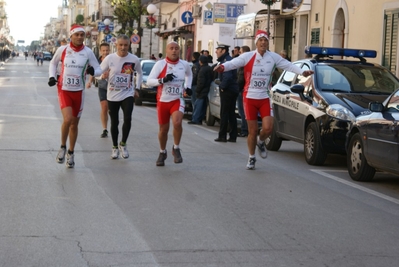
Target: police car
(318, 110)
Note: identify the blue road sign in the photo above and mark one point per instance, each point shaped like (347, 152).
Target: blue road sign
(233, 11)
(187, 17)
(108, 38)
(208, 17)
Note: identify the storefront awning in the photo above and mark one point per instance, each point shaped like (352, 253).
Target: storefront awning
(176, 31)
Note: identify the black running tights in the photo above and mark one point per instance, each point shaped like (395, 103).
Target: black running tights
(113, 110)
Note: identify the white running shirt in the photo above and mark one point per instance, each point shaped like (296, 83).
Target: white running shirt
(73, 68)
(172, 90)
(258, 71)
(121, 75)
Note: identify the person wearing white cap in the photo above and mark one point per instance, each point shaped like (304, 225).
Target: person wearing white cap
(77, 61)
(259, 66)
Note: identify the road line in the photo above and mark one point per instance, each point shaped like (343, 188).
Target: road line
(28, 117)
(364, 189)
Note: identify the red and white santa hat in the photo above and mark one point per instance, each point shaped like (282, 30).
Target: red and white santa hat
(76, 28)
(260, 34)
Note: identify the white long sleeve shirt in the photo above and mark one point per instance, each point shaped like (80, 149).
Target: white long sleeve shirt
(72, 73)
(121, 75)
(172, 90)
(258, 71)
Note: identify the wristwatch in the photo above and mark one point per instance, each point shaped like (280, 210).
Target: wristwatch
(160, 81)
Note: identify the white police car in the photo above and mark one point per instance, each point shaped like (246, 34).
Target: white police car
(317, 110)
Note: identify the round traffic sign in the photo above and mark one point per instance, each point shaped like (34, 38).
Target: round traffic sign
(135, 39)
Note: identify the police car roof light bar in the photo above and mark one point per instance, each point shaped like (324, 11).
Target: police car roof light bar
(346, 52)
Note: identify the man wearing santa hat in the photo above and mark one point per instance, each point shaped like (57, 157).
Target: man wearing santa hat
(77, 61)
(258, 68)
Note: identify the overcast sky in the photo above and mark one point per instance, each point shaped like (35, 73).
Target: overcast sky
(27, 18)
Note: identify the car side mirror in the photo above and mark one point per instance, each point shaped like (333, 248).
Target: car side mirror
(376, 107)
(299, 89)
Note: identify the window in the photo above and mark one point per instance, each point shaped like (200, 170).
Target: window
(393, 104)
(391, 21)
(315, 36)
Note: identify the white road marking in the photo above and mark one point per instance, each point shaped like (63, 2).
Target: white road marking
(364, 189)
(28, 117)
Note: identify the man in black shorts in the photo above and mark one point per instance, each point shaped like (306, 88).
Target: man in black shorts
(102, 83)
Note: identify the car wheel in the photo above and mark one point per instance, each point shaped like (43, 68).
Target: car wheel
(273, 142)
(358, 168)
(210, 119)
(138, 101)
(314, 152)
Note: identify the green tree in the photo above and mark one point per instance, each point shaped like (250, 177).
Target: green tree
(79, 19)
(127, 12)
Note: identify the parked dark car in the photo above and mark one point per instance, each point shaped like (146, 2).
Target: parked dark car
(146, 93)
(373, 141)
(317, 110)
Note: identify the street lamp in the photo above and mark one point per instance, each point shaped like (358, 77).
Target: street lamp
(268, 3)
(151, 21)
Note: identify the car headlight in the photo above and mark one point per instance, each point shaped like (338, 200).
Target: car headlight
(340, 112)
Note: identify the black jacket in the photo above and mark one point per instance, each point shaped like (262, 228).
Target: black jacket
(204, 80)
(228, 79)
(195, 69)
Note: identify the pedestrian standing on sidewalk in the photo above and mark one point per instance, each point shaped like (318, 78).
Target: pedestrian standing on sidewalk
(203, 85)
(228, 88)
(76, 59)
(121, 91)
(172, 76)
(102, 84)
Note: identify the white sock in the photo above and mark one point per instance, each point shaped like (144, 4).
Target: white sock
(162, 151)
(175, 146)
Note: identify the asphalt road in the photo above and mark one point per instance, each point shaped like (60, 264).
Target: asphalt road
(207, 211)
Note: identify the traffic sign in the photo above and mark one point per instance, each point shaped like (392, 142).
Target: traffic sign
(108, 38)
(187, 17)
(232, 12)
(208, 17)
(135, 39)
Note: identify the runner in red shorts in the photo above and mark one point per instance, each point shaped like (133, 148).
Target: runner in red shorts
(77, 60)
(258, 68)
(169, 75)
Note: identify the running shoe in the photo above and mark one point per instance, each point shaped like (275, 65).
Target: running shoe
(161, 158)
(70, 163)
(123, 151)
(61, 155)
(115, 153)
(176, 153)
(251, 163)
(262, 149)
(104, 134)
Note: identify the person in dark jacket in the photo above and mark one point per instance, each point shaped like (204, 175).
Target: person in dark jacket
(203, 85)
(228, 88)
(195, 69)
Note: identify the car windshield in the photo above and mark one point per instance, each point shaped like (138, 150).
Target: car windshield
(147, 67)
(355, 78)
